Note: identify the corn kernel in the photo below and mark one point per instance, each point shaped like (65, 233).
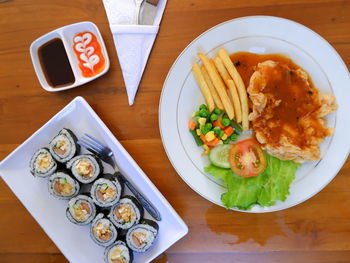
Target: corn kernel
(210, 136)
(201, 122)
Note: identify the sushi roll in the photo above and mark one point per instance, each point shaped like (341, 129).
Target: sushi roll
(118, 253)
(42, 164)
(85, 168)
(126, 213)
(141, 236)
(62, 186)
(81, 210)
(102, 231)
(64, 146)
(106, 191)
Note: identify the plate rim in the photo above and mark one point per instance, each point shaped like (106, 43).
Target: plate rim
(275, 18)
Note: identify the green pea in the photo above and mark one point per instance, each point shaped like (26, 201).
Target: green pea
(208, 126)
(204, 113)
(217, 111)
(225, 122)
(233, 137)
(213, 117)
(221, 133)
(217, 130)
(225, 141)
(203, 107)
(205, 130)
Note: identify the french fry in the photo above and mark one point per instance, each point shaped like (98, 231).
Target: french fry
(236, 102)
(212, 89)
(203, 86)
(231, 86)
(221, 68)
(239, 84)
(223, 85)
(218, 84)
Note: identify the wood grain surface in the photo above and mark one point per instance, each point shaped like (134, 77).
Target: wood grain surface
(317, 230)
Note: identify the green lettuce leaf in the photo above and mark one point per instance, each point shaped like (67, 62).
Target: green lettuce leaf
(280, 176)
(267, 188)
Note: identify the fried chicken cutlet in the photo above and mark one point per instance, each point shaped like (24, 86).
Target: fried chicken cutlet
(288, 113)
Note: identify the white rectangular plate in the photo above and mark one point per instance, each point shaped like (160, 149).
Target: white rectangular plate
(74, 241)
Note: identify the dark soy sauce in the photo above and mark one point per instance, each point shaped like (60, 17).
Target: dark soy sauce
(55, 64)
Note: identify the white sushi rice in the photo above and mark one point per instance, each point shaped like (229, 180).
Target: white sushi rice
(150, 234)
(102, 182)
(117, 247)
(120, 223)
(106, 223)
(40, 156)
(88, 158)
(69, 145)
(65, 178)
(76, 201)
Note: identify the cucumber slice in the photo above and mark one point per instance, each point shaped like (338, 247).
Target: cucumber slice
(219, 155)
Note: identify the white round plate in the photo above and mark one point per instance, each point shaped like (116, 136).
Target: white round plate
(265, 35)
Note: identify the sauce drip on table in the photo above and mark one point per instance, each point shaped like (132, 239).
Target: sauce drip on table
(55, 64)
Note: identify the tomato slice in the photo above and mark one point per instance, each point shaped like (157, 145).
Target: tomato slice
(247, 159)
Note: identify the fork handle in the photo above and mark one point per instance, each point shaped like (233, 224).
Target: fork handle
(138, 4)
(144, 202)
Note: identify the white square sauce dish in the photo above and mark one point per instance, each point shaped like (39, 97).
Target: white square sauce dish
(69, 56)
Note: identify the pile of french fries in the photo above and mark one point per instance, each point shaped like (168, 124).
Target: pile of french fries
(218, 78)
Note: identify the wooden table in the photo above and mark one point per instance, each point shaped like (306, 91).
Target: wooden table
(317, 230)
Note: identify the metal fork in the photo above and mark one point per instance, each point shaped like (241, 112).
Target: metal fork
(138, 4)
(106, 154)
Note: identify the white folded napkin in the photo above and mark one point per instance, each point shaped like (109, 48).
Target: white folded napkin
(132, 42)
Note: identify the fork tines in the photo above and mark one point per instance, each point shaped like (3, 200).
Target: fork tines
(94, 145)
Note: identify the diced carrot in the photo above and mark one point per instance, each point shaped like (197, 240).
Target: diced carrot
(213, 143)
(217, 123)
(202, 136)
(229, 131)
(192, 124)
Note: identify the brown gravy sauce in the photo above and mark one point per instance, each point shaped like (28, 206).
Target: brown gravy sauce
(298, 100)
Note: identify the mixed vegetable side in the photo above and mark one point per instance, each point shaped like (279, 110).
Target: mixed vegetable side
(217, 134)
(252, 176)
(212, 128)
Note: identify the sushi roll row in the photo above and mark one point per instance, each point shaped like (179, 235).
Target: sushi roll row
(62, 152)
(116, 221)
(61, 149)
(139, 238)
